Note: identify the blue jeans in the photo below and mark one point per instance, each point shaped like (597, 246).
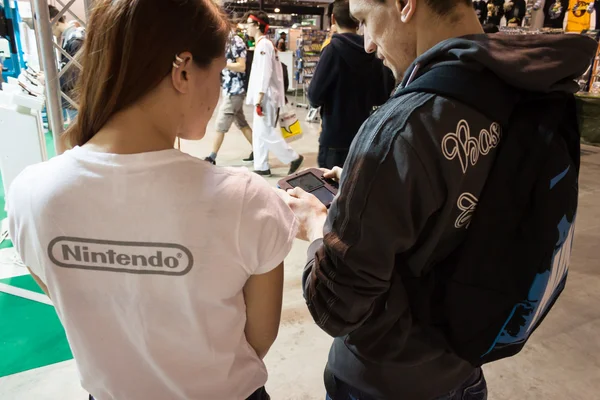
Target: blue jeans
(474, 388)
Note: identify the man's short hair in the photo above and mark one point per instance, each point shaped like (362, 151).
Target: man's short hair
(343, 18)
(260, 15)
(443, 7)
(54, 12)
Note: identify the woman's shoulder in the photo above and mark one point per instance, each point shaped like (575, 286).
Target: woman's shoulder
(253, 183)
(38, 173)
(38, 182)
(257, 192)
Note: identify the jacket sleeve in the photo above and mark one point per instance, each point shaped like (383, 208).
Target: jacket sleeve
(383, 204)
(324, 76)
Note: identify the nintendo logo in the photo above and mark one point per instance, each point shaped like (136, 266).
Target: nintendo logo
(116, 256)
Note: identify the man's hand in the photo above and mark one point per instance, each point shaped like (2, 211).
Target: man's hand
(311, 213)
(259, 108)
(335, 173)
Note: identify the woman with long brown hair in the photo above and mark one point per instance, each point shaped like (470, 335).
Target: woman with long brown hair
(166, 271)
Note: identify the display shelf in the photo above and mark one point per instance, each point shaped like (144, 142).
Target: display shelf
(308, 52)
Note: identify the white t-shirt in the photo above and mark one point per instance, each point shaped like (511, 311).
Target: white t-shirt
(145, 257)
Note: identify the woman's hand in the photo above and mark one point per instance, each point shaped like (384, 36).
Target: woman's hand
(309, 210)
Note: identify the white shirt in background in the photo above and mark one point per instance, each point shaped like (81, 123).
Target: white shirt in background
(266, 75)
(145, 257)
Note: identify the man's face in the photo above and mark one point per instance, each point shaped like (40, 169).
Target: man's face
(56, 30)
(385, 33)
(251, 28)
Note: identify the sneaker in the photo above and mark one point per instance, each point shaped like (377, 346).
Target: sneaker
(211, 160)
(263, 173)
(295, 165)
(250, 158)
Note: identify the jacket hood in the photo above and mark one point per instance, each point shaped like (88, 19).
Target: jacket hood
(351, 48)
(540, 63)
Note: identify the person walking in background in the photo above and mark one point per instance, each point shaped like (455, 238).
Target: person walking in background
(266, 92)
(233, 95)
(282, 42)
(70, 35)
(347, 84)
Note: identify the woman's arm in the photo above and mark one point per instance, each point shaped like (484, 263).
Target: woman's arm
(263, 295)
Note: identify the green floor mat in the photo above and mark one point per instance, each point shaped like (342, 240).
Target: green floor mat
(23, 282)
(31, 335)
(2, 202)
(50, 145)
(6, 243)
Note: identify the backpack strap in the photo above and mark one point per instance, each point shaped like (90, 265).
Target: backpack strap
(469, 87)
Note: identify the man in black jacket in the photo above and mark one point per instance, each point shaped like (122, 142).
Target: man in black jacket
(408, 190)
(347, 84)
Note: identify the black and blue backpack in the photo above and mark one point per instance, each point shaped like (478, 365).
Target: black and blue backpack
(494, 291)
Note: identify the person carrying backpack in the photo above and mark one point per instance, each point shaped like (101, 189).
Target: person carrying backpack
(449, 239)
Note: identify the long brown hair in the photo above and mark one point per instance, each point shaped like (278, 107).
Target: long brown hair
(130, 47)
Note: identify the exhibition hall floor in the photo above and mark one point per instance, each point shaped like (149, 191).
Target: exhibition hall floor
(560, 363)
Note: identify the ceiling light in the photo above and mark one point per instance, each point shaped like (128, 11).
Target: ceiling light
(277, 10)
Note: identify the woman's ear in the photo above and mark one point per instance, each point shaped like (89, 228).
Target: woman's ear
(181, 70)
